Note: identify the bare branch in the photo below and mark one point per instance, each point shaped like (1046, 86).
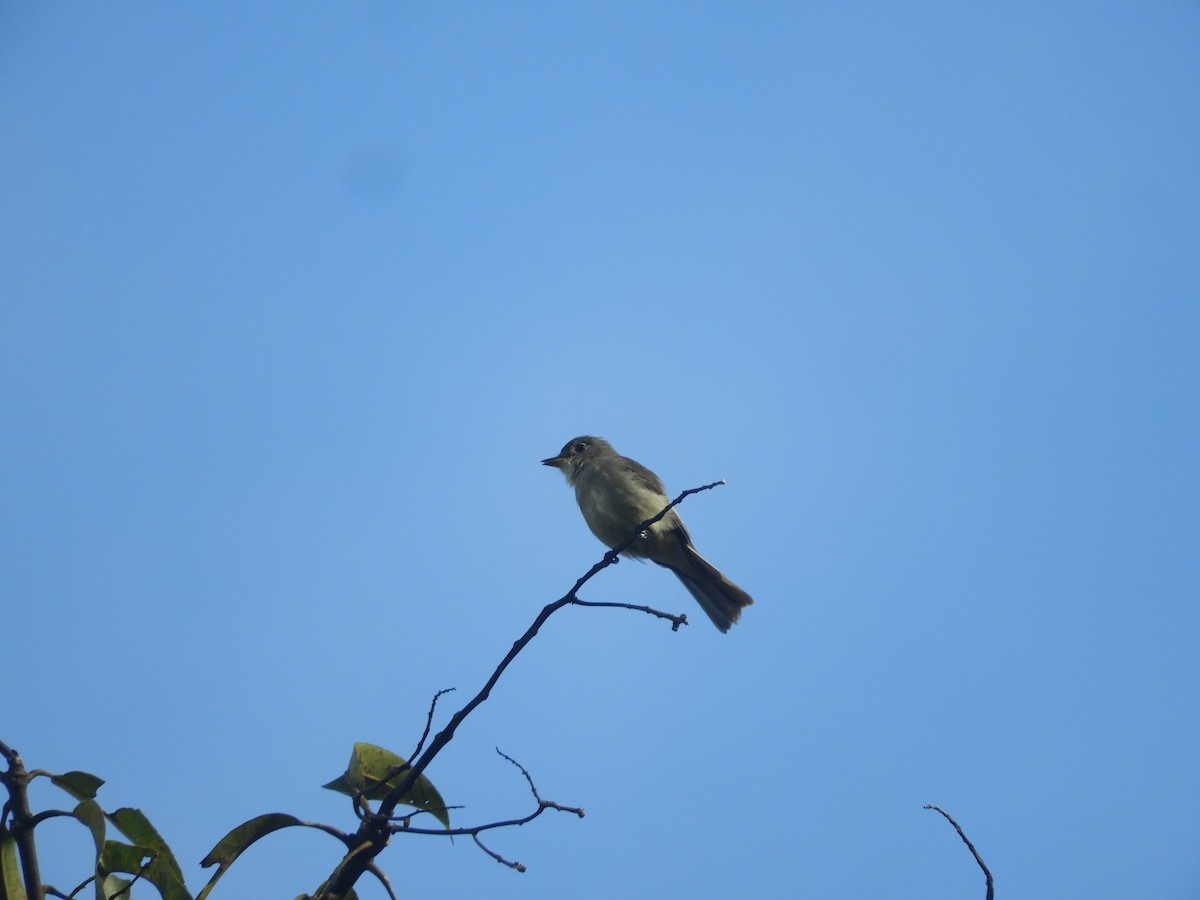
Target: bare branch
(402, 825)
(405, 820)
(373, 827)
(429, 721)
(525, 772)
(991, 890)
(520, 867)
(543, 805)
(676, 621)
(71, 896)
(383, 879)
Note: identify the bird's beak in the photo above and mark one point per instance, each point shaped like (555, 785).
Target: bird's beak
(557, 461)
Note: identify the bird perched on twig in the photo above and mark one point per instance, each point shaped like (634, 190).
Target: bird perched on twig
(616, 495)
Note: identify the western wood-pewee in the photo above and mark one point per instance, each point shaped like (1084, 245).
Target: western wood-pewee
(616, 495)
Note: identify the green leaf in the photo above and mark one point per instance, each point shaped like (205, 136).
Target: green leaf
(118, 856)
(11, 886)
(80, 785)
(163, 871)
(231, 846)
(369, 765)
(90, 814)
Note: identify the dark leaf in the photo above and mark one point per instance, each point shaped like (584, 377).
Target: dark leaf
(163, 871)
(80, 785)
(231, 846)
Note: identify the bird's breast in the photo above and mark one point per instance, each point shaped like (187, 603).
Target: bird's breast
(613, 507)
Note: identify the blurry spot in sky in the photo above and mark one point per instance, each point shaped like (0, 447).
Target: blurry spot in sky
(374, 173)
(393, 17)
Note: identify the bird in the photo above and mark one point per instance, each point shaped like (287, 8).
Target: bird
(616, 495)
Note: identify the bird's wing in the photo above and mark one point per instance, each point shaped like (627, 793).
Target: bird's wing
(647, 478)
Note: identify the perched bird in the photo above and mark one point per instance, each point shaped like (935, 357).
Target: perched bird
(616, 495)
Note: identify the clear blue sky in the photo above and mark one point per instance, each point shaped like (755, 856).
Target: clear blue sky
(296, 295)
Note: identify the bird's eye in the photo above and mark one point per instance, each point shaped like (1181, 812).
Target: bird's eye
(580, 447)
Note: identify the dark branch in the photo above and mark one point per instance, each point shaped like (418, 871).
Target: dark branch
(406, 820)
(16, 781)
(991, 890)
(401, 823)
(374, 828)
(676, 621)
(543, 805)
(129, 887)
(71, 896)
(429, 721)
(474, 832)
(383, 879)
(525, 772)
(48, 814)
(361, 807)
(512, 864)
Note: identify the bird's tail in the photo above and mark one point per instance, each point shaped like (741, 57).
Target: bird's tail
(719, 597)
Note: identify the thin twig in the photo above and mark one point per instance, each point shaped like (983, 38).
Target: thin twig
(543, 805)
(991, 890)
(525, 772)
(71, 896)
(429, 721)
(474, 831)
(675, 621)
(512, 864)
(361, 807)
(405, 819)
(401, 823)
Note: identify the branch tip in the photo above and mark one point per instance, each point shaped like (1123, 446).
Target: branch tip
(987, 874)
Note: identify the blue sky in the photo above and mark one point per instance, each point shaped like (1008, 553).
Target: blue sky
(295, 297)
